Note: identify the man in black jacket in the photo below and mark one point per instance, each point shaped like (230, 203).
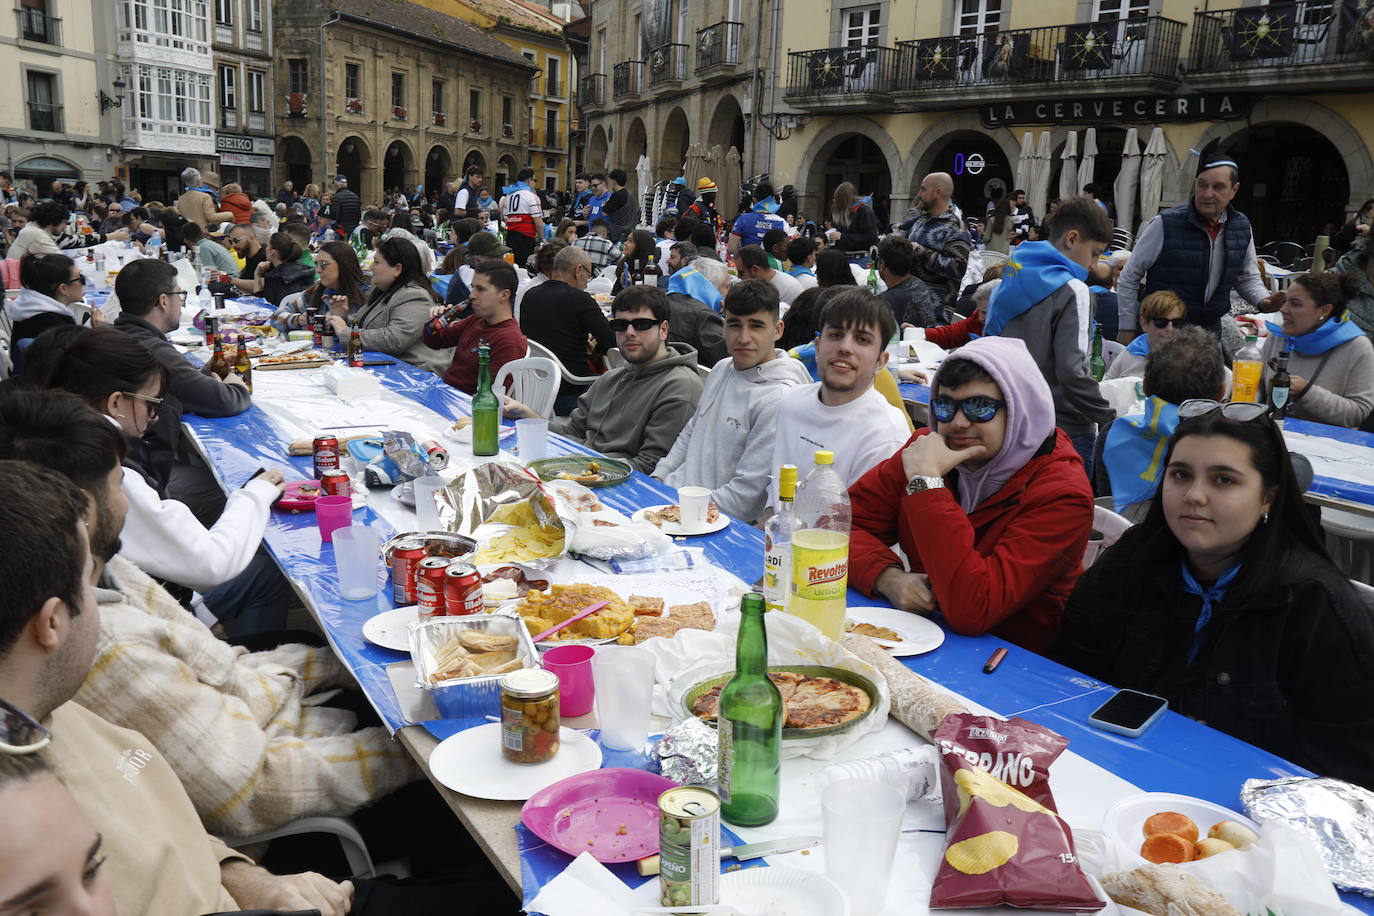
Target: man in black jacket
(559, 315)
(151, 308)
(348, 209)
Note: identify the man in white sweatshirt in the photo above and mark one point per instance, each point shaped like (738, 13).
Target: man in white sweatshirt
(728, 444)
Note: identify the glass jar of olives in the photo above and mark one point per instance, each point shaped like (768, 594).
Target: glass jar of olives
(529, 715)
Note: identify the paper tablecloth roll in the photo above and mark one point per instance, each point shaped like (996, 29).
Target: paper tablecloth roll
(916, 702)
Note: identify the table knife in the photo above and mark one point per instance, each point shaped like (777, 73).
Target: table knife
(649, 866)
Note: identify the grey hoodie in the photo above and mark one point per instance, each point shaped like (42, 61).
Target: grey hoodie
(728, 444)
(636, 413)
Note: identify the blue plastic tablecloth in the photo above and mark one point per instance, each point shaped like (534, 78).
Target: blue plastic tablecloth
(1175, 755)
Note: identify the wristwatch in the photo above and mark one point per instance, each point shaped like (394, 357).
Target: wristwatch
(919, 483)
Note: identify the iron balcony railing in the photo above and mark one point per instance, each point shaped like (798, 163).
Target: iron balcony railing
(1277, 35)
(627, 79)
(45, 117)
(1144, 47)
(591, 92)
(833, 72)
(37, 25)
(667, 64)
(718, 46)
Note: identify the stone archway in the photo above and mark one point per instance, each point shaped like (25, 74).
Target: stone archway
(727, 125)
(354, 161)
(598, 149)
(398, 167)
(636, 145)
(506, 170)
(438, 169)
(676, 136)
(475, 157)
(1334, 128)
(811, 178)
(921, 160)
(297, 161)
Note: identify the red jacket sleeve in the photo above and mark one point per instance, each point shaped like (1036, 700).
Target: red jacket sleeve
(1040, 543)
(874, 501)
(957, 334)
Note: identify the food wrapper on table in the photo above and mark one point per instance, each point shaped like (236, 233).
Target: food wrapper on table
(459, 661)
(688, 753)
(399, 462)
(916, 702)
(1337, 816)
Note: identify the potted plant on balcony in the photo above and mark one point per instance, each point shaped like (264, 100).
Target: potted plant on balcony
(295, 104)
(439, 119)
(475, 126)
(398, 113)
(354, 106)
(507, 130)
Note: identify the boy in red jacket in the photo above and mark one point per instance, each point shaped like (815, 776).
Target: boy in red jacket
(492, 322)
(991, 506)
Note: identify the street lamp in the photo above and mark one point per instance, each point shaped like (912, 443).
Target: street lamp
(106, 102)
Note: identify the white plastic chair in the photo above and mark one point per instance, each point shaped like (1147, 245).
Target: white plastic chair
(602, 285)
(614, 358)
(343, 829)
(533, 381)
(1366, 593)
(1107, 529)
(538, 349)
(1111, 349)
(703, 371)
(1122, 394)
(1350, 540)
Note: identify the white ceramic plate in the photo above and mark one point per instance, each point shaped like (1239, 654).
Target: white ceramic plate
(673, 529)
(919, 634)
(471, 762)
(1124, 820)
(782, 891)
(391, 629)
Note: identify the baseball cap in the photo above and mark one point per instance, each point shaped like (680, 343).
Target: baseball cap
(341, 179)
(218, 230)
(485, 245)
(680, 181)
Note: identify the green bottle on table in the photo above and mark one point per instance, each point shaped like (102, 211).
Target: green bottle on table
(1096, 364)
(750, 727)
(486, 410)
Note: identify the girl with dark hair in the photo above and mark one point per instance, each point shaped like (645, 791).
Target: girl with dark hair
(1000, 226)
(634, 257)
(832, 269)
(1330, 358)
(51, 286)
(281, 273)
(1224, 601)
(396, 311)
(124, 380)
(340, 278)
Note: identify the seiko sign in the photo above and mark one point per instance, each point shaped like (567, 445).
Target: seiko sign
(1153, 109)
(237, 143)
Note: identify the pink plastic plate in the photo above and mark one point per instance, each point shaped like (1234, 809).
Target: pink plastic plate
(610, 813)
(292, 498)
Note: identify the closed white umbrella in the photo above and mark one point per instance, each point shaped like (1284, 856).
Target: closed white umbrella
(1038, 188)
(644, 174)
(1088, 165)
(1127, 181)
(1152, 176)
(1068, 167)
(1026, 163)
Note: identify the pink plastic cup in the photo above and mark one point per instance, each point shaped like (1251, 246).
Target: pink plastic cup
(333, 513)
(573, 665)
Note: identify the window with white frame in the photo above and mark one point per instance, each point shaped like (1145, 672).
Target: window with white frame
(255, 15)
(228, 87)
(351, 80)
(534, 77)
(182, 25)
(224, 12)
(1114, 10)
(257, 91)
(974, 17)
(171, 101)
(862, 26)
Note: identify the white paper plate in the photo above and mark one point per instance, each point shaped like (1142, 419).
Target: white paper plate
(919, 634)
(471, 762)
(1125, 820)
(673, 529)
(782, 891)
(391, 629)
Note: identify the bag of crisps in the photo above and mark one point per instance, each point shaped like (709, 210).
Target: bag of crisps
(1005, 842)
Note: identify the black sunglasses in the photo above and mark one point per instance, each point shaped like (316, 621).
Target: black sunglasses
(20, 733)
(77, 279)
(1242, 411)
(621, 325)
(1162, 323)
(978, 409)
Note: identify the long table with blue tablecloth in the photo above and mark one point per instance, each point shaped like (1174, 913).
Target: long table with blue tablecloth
(1175, 755)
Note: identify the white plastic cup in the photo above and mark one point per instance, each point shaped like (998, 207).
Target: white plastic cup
(356, 556)
(426, 512)
(624, 679)
(532, 439)
(862, 821)
(693, 502)
(913, 334)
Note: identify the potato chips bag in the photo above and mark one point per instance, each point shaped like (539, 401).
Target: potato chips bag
(1006, 844)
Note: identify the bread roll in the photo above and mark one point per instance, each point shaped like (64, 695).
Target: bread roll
(1166, 890)
(916, 703)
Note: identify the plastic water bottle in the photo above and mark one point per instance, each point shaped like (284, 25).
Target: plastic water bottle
(660, 563)
(909, 769)
(820, 548)
(1246, 369)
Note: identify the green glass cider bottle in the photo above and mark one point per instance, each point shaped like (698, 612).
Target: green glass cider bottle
(486, 410)
(750, 727)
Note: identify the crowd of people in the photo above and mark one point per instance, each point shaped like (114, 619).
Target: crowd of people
(708, 350)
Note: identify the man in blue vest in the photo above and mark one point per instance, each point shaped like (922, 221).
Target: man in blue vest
(1201, 250)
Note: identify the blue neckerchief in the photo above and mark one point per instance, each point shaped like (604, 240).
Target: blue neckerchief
(767, 205)
(807, 354)
(1134, 451)
(691, 282)
(799, 271)
(1140, 346)
(860, 202)
(1210, 597)
(1035, 270)
(518, 186)
(1326, 336)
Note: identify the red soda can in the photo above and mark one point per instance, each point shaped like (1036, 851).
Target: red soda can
(435, 454)
(211, 331)
(334, 482)
(405, 560)
(326, 452)
(429, 586)
(463, 590)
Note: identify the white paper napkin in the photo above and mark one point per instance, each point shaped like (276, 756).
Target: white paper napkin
(586, 886)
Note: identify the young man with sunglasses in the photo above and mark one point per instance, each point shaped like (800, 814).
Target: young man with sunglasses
(727, 446)
(990, 507)
(161, 860)
(843, 412)
(636, 411)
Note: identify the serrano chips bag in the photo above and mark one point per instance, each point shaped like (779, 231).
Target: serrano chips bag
(1005, 842)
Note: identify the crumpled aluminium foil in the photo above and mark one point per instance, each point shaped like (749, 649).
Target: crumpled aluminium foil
(687, 753)
(1337, 815)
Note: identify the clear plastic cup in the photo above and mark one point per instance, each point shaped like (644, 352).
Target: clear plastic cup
(862, 822)
(624, 677)
(426, 512)
(532, 439)
(356, 557)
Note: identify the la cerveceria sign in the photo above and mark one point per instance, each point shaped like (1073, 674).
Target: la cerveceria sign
(1131, 109)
